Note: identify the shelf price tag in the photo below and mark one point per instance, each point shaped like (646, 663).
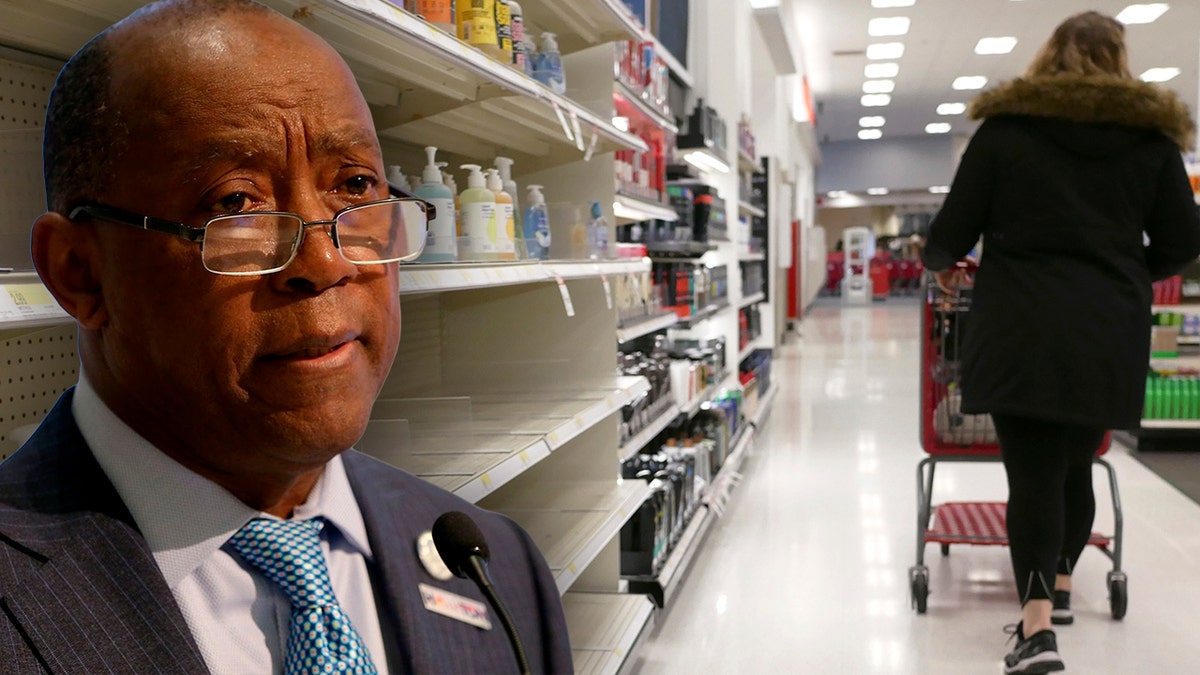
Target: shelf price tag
(563, 121)
(607, 290)
(28, 301)
(578, 133)
(566, 295)
(587, 156)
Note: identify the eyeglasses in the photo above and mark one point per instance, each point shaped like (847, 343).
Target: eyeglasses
(264, 242)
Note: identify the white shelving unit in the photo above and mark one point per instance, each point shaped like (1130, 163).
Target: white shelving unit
(646, 326)
(606, 628)
(750, 209)
(25, 303)
(760, 342)
(639, 441)
(751, 299)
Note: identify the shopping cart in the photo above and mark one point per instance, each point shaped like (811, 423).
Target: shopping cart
(948, 435)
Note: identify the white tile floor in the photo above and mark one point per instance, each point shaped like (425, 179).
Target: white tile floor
(807, 571)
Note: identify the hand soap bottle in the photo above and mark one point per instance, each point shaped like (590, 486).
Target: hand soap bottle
(549, 69)
(597, 234)
(478, 217)
(442, 244)
(504, 166)
(505, 230)
(537, 225)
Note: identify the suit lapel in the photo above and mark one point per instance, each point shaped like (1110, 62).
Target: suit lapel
(93, 598)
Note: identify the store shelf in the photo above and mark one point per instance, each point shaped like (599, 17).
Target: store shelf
(646, 326)
(639, 441)
(1176, 362)
(638, 101)
(581, 23)
(747, 164)
(751, 210)
(480, 443)
(751, 299)
(25, 303)
(759, 342)
(752, 257)
(629, 209)
(692, 407)
(1189, 340)
(1190, 308)
(678, 249)
(425, 87)
(461, 276)
(703, 315)
(605, 629)
(663, 586)
(733, 463)
(571, 522)
(1171, 424)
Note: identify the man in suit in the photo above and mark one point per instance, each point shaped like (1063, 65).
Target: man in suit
(152, 522)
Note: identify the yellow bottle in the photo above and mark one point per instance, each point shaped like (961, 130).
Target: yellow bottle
(477, 25)
(478, 218)
(505, 224)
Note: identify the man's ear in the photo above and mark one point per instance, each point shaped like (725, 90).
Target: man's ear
(67, 257)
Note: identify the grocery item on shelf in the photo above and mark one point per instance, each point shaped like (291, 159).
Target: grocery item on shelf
(1172, 397)
(536, 225)
(549, 67)
(441, 244)
(1168, 291)
(597, 234)
(477, 26)
(504, 166)
(439, 13)
(504, 37)
(518, 35)
(505, 231)
(478, 222)
(395, 176)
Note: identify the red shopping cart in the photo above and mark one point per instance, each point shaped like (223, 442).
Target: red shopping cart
(948, 435)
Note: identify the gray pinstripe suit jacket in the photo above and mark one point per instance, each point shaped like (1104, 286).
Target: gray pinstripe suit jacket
(81, 593)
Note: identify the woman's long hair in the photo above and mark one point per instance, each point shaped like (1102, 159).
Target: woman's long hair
(1089, 43)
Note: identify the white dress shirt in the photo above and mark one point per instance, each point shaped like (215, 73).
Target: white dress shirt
(237, 615)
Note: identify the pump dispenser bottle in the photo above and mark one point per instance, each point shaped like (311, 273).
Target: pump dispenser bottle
(395, 176)
(504, 166)
(549, 69)
(597, 234)
(537, 225)
(442, 243)
(478, 216)
(505, 231)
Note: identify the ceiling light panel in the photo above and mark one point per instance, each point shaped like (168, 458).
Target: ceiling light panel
(1147, 13)
(869, 134)
(937, 128)
(885, 51)
(887, 26)
(879, 87)
(995, 45)
(888, 4)
(968, 82)
(876, 100)
(951, 108)
(877, 71)
(877, 191)
(939, 189)
(1159, 74)
(871, 121)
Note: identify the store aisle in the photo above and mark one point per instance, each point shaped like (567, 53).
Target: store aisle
(807, 571)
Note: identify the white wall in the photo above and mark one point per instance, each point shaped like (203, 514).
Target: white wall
(913, 163)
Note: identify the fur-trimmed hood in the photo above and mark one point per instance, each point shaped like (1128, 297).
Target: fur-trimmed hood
(1091, 99)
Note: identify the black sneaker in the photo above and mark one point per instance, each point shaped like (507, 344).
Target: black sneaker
(1061, 615)
(1037, 654)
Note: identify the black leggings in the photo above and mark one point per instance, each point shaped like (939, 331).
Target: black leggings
(1050, 500)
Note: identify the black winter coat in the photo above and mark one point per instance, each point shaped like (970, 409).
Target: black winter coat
(1059, 327)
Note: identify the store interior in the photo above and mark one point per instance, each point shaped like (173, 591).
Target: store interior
(670, 320)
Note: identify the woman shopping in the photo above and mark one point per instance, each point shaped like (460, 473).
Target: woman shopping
(1076, 184)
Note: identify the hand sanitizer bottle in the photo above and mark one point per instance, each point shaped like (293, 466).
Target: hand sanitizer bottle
(537, 225)
(442, 243)
(597, 234)
(478, 217)
(549, 70)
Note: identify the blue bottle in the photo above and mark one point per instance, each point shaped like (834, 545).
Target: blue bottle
(549, 68)
(536, 225)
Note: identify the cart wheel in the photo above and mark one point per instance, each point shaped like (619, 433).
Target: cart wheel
(1118, 595)
(920, 592)
(945, 550)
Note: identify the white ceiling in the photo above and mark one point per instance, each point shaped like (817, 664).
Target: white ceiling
(940, 46)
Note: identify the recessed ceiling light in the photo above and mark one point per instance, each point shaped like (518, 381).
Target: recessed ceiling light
(885, 51)
(970, 82)
(995, 45)
(835, 194)
(939, 189)
(763, 4)
(876, 100)
(883, 26)
(885, 4)
(951, 108)
(877, 191)
(879, 87)
(937, 128)
(871, 121)
(1142, 13)
(875, 71)
(869, 134)
(1159, 74)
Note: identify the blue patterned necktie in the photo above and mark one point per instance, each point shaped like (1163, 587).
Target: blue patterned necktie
(320, 637)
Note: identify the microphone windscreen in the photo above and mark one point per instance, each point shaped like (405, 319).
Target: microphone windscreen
(457, 538)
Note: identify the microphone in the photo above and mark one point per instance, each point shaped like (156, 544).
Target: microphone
(464, 549)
